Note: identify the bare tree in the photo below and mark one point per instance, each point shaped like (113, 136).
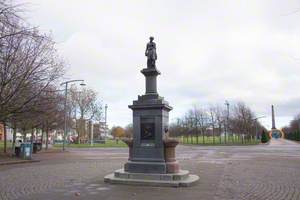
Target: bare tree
(86, 104)
(202, 120)
(199, 120)
(241, 122)
(220, 119)
(10, 20)
(213, 112)
(29, 64)
(292, 130)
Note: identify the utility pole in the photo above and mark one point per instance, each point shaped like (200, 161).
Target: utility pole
(299, 124)
(256, 128)
(65, 107)
(227, 119)
(256, 125)
(65, 116)
(105, 133)
(92, 133)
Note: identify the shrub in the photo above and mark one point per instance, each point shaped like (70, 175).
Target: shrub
(264, 137)
(297, 136)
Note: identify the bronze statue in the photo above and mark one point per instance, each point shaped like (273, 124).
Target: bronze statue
(151, 53)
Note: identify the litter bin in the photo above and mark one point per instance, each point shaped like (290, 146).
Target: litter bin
(26, 151)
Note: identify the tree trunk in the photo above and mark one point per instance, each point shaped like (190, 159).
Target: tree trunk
(5, 136)
(31, 138)
(197, 135)
(14, 136)
(242, 139)
(24, 136)
(42, 138)
(47, 137)
(213, 133)
(220, 133)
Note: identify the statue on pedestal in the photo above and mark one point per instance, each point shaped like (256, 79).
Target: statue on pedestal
(151, 158)
(151, 53)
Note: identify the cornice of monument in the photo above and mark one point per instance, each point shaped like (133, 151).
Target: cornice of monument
(150, 71)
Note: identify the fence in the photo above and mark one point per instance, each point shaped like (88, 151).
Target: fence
(218, 140)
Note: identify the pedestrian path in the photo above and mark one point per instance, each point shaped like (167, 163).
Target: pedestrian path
(281, 141)
(255, 172)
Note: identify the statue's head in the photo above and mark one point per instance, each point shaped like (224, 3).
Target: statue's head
(151, 38)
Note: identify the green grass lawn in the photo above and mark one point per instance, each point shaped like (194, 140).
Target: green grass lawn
(8, 146)
(108, 143)
(217, 140)
(207, 140)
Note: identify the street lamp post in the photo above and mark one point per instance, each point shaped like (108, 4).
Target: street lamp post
(299, 127)
(227, 119)
(91, 129)
(105, 132)
(65, 107)
(256, 127)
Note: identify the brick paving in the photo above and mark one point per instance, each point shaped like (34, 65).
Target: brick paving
(259, 172)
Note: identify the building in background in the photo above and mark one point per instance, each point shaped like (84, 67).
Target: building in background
(100, 131)
(86, 130)
(9, 133)
(1, 132)
(82, 130)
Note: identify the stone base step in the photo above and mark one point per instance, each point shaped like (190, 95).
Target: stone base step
(180, 179)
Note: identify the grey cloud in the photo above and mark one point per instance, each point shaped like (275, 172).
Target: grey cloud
(208, 51)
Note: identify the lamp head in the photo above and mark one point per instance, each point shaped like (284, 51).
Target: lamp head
(82, 84)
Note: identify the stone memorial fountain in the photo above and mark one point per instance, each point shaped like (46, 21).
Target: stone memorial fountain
(152, 158)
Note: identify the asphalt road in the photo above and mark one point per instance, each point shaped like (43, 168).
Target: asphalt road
(226, 172)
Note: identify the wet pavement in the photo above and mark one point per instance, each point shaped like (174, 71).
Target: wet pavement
(226, 172)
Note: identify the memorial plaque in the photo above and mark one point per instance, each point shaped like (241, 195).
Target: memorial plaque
(147, 129)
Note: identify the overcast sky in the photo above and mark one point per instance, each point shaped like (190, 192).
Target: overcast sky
(208, 51)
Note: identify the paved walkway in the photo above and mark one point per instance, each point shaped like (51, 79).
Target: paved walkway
(258, 172)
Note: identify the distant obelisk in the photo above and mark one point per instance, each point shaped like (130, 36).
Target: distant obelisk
(273, 118)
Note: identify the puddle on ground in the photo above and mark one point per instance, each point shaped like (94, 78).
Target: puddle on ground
(102, 188)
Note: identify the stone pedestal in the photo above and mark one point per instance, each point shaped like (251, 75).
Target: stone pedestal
(170, 158)
(174, 176)
(150, 119)
(179, 179)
